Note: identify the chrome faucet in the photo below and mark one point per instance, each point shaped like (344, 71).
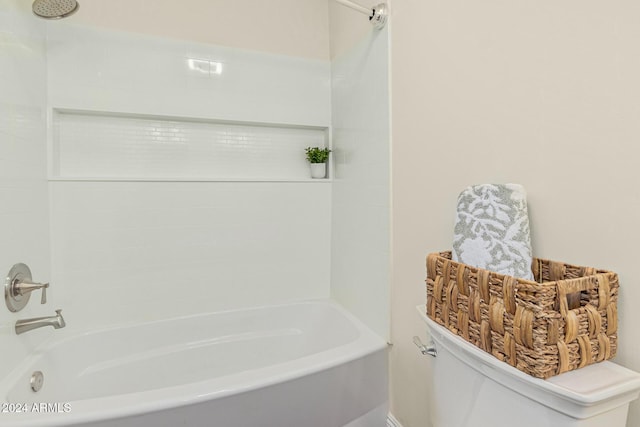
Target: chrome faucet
(26, 325)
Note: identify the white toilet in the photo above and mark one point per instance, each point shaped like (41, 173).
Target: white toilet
(473, 389)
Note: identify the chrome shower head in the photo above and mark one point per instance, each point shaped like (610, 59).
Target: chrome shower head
(55, 9)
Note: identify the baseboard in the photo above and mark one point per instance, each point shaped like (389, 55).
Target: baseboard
(392, 422)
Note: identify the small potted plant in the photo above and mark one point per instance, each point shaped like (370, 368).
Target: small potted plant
(318, 157)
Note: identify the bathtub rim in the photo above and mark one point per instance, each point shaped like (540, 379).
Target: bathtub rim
(120, 406)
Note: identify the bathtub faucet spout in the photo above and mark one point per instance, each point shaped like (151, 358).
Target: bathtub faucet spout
(26, 325)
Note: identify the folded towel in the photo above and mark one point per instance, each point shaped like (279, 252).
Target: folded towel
(492, 229)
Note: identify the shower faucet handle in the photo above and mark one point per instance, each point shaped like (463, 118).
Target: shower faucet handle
(18, 287)
(25, 286)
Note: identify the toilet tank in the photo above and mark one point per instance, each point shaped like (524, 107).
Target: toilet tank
(471, 388)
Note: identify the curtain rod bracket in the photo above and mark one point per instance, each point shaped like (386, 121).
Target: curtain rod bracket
(377, 15)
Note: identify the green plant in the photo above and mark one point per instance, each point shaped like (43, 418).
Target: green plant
(317, 154)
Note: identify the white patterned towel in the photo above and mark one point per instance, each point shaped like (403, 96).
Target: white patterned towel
(492, 229)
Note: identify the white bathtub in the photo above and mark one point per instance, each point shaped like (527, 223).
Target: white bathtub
(304, 364)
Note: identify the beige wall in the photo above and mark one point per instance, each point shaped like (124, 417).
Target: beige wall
(288, 27)
(543, 93)
(347, 27)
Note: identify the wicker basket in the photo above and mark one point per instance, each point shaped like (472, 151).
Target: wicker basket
(532, 326)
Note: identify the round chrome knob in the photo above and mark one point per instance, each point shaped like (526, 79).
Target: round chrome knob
(37, 380)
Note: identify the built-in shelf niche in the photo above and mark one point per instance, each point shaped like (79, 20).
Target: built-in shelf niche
(108, 146)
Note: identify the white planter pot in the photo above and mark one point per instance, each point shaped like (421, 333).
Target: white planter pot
(318, 170)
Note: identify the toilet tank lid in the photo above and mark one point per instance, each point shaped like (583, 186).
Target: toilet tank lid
(597, 380)
(590, 386)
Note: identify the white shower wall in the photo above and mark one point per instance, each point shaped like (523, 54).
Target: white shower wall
(23, 181)
(361, 231)
(116, 71)
(127, 250)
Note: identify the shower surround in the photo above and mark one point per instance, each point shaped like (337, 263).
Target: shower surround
(186, 242)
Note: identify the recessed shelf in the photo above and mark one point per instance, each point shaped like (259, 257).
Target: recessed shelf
(108, 146)
(187, 179)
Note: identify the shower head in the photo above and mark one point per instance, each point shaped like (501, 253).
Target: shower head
(54, 9)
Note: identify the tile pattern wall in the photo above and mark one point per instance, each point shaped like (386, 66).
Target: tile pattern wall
(117, 146)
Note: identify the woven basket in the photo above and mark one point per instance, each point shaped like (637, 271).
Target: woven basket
(532, 326)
